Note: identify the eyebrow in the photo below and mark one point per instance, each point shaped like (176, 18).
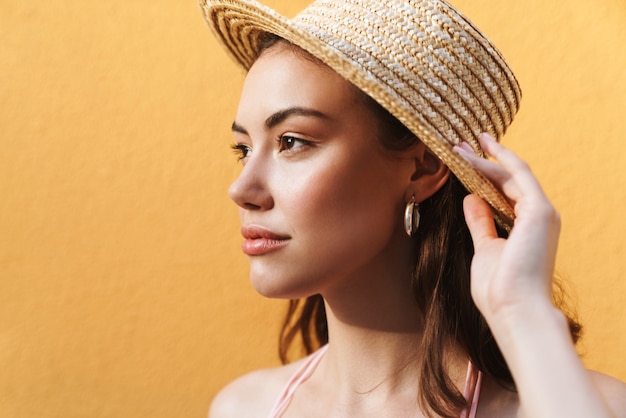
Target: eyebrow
(279, 116)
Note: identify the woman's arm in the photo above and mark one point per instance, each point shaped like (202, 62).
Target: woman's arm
(512, 287)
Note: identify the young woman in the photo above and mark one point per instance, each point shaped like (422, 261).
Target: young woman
(359, 132)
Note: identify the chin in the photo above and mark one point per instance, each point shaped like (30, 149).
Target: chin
(278, 288)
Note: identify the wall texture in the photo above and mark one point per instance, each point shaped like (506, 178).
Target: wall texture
(122, 289)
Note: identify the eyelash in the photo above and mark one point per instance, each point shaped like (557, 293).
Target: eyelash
(243, 151)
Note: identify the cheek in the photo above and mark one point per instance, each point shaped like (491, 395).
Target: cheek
(342, 205)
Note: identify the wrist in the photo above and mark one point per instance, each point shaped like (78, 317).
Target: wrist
(523, 332)
(524, 318)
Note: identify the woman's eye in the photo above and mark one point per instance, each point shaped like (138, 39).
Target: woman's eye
(242, 151)
(287, 143)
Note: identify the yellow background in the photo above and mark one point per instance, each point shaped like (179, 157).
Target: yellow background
(123, 292)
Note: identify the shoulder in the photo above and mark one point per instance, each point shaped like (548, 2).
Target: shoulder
(613, 392)
(253, 394)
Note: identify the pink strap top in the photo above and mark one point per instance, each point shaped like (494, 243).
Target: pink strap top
(471, 391)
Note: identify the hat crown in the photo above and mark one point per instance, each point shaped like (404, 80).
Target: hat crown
(429, 55)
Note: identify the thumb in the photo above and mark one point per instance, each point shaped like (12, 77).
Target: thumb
(479, 219)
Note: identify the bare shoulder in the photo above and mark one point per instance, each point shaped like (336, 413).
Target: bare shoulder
(612, 390)
(253, 394)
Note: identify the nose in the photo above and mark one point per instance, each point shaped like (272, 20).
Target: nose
(250, 190)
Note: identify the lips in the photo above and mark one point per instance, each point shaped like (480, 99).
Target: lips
(260, 240)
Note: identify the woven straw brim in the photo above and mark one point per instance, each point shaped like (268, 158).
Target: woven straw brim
(241, 24)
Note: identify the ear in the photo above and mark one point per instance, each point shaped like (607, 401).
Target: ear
(429, 173)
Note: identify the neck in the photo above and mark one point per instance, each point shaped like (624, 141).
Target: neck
(375, 331)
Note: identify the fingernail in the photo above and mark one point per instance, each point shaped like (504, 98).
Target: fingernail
(462, 151)
(487, 137)
(467, 147)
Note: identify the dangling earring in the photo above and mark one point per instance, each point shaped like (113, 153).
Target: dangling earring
(411, 217)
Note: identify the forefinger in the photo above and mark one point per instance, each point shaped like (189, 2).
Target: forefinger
(520, 172)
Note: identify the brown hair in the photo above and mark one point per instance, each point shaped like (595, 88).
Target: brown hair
(441, 287)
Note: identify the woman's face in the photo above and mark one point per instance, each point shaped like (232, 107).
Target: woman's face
(321, 202)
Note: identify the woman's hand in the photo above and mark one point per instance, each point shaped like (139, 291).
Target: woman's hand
(512, 287)
(510, 276)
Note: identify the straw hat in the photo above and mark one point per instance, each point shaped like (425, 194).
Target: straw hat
(421, 60)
